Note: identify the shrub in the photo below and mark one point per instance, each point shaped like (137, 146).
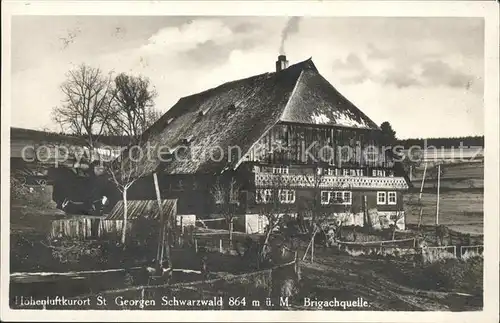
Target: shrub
(455, 275)
(76, 251)
(434, 255)
(35, 196)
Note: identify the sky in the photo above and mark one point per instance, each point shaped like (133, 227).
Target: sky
(423, 75)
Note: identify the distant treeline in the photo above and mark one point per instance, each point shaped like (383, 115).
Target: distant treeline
(443, 142)
(21, 133)
(38, 135)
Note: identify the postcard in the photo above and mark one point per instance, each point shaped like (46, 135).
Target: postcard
(250, 161)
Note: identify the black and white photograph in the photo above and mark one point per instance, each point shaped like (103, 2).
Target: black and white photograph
(184, 157)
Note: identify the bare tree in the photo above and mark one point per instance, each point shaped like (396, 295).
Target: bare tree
(275, 206)
(313, 209)
(133, 107)
(86, 107)
(226, 198)
(395, 218)
(125, 171)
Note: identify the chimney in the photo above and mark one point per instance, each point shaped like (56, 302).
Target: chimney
(281, 63)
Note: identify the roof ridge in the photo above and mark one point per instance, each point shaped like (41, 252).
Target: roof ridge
(223, 85)
(309, 61)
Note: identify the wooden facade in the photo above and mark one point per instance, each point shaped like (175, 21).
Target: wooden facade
(289, 143)
(278, 165)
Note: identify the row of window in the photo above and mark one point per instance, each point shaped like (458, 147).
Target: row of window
(266, 196)
(287, 196)
(336, 197)
(386, 198)
(337, 172)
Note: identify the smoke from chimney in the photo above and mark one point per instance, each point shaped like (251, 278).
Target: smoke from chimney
(292, 26)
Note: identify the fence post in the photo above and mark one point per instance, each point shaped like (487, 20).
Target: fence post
(296, 266)
(220, 245)
(312, 249)
(196, 245)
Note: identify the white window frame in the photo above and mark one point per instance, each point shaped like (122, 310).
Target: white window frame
(289, 196)
(345, 196)
(331, 172)
(281, 170)
(327, 171)
(328, 197)
(265, 195)
(348, 199)
(379, 195)
(395, 195)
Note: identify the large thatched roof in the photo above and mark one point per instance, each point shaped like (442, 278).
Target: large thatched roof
(238, 113)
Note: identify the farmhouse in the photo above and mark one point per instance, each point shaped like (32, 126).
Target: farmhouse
(286, 140)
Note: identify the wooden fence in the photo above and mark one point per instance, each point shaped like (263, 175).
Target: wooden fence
(87, 228)
(218, 223)
(471, 250)
(402, 242)
(408, 247)
(254, 285)
(111, 225)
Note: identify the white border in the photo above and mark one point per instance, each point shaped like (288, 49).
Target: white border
(487, 9)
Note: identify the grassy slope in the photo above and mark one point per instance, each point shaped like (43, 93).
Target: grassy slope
(452, 208)
(461, 191)
(453, 170)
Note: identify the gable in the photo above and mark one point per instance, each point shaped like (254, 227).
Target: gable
(316, 101)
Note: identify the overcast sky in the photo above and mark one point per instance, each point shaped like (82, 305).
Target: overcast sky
(423, 75)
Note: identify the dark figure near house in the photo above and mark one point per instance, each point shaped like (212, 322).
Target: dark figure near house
(301, 223)
(204, 267)
(418, 257)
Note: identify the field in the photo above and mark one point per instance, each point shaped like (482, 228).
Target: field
(460, 201)
(459, 210)
(454, 175)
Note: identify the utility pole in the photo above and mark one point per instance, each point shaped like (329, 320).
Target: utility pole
(420, 197)
(438, 187)
(423, 180)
